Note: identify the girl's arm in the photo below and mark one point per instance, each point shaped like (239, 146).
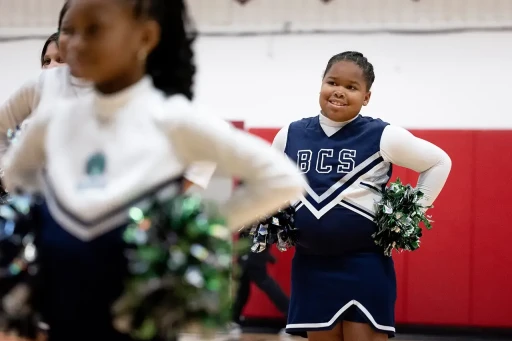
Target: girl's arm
(280, 139)
(16, 109)
(199, 174)
(269, 178)
(26, 157)
(402, 148)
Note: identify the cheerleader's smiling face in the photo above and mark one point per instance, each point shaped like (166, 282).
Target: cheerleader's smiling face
(344, 91)
(107, 43)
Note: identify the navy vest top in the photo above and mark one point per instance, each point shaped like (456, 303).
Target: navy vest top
(346, 175)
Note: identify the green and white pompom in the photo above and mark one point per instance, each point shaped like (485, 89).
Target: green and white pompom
(398, 218)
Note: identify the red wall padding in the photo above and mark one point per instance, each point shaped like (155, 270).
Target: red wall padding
(462, 274)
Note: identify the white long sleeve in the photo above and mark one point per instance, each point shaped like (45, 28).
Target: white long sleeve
(17, 108)
(402, 148)
(279, 142)
(25, 159)
(200, 173)
(269, 177)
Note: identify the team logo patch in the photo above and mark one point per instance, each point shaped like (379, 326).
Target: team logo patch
(95, 169)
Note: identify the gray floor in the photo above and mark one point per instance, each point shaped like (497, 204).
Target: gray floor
(447, 338)
(404, 337)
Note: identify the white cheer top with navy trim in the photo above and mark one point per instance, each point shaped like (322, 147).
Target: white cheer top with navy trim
(101, 153)
(347, 165)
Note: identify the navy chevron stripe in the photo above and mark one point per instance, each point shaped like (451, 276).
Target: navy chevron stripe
(116, 211)
(371, 187)
(343, 187)
(358, 209)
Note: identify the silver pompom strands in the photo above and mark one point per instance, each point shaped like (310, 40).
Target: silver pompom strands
(398, 217)
(278, 229)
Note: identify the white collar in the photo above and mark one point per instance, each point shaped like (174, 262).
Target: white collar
(325, 121)
(106, 105)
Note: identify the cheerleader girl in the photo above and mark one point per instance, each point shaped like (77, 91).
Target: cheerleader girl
(51, 85)
(130, 138)
(343, 286)
(50, 55)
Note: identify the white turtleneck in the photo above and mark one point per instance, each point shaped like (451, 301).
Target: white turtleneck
(52, 85)
(399, 147)
(145, 139)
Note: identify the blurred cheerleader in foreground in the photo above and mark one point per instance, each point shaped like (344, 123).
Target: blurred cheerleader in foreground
(56, 83)
(128, 141)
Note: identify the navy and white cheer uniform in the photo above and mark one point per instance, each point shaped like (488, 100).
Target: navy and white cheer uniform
(103, 154)
(338, 273)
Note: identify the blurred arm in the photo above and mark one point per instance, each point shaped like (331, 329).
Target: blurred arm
(269, 177)
(16, 109)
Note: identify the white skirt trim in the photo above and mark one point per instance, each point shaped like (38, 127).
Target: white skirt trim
(337, 315)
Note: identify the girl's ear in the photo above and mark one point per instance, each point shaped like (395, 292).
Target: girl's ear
(367, 98)
(150, 37)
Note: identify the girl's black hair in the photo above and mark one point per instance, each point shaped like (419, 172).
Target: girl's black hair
(358, 59)
(171, 63)
(53, 38)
